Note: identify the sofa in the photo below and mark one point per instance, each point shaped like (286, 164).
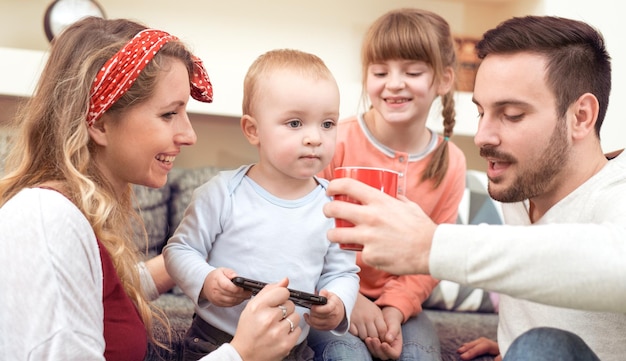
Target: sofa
(459, 313)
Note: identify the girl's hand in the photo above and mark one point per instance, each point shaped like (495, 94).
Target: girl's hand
(389, 346)
(385, 350)
(367, 319)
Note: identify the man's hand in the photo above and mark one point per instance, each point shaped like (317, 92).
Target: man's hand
(396, 234)
(478, 347)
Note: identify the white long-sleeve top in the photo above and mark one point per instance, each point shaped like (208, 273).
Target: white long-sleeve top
(51, 284)
(568, 270)
(232, 222)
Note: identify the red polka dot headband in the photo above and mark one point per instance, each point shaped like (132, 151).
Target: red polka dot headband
(119, 73)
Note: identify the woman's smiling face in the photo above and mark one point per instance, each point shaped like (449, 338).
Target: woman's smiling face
(143, 140)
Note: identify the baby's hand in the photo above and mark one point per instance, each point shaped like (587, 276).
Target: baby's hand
(329, 316)
(221, 291)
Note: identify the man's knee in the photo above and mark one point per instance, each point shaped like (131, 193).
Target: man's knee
(546, 343)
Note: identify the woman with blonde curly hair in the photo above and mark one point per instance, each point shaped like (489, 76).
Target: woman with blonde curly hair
(109, 111)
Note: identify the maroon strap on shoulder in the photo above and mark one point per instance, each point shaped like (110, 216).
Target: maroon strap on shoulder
(124, 331)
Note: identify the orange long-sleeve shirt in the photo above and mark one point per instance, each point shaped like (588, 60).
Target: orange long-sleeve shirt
(357, 147)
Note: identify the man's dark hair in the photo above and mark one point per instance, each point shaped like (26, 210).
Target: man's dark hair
(577, 60)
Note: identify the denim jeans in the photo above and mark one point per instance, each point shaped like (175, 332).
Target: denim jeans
(549, 344)
(419, 336)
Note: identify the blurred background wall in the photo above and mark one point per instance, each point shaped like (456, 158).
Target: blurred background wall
(229, 35)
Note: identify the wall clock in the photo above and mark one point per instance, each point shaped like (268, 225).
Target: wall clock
(61, 13)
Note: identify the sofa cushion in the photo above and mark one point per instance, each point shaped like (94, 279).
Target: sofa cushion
(182, 183)
(152, 204)
(162, 208)
(452, 296)
(6, 144)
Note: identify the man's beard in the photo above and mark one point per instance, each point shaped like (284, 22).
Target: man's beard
(535, 179)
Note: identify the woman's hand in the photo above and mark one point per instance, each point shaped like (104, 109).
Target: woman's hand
(268, 327)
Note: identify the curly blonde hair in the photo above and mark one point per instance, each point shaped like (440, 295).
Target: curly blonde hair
(54, 145)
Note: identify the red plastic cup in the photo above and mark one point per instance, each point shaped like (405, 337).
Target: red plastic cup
(383, 179)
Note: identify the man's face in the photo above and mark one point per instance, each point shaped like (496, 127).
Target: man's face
(520, 135)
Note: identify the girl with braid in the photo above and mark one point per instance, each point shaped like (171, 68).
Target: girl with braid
(408, 61)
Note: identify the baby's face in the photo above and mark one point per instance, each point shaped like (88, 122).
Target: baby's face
(297, 117)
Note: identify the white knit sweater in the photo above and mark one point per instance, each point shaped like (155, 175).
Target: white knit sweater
(573, 259)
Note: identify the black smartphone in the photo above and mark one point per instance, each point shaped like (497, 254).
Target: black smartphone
(300, 298)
